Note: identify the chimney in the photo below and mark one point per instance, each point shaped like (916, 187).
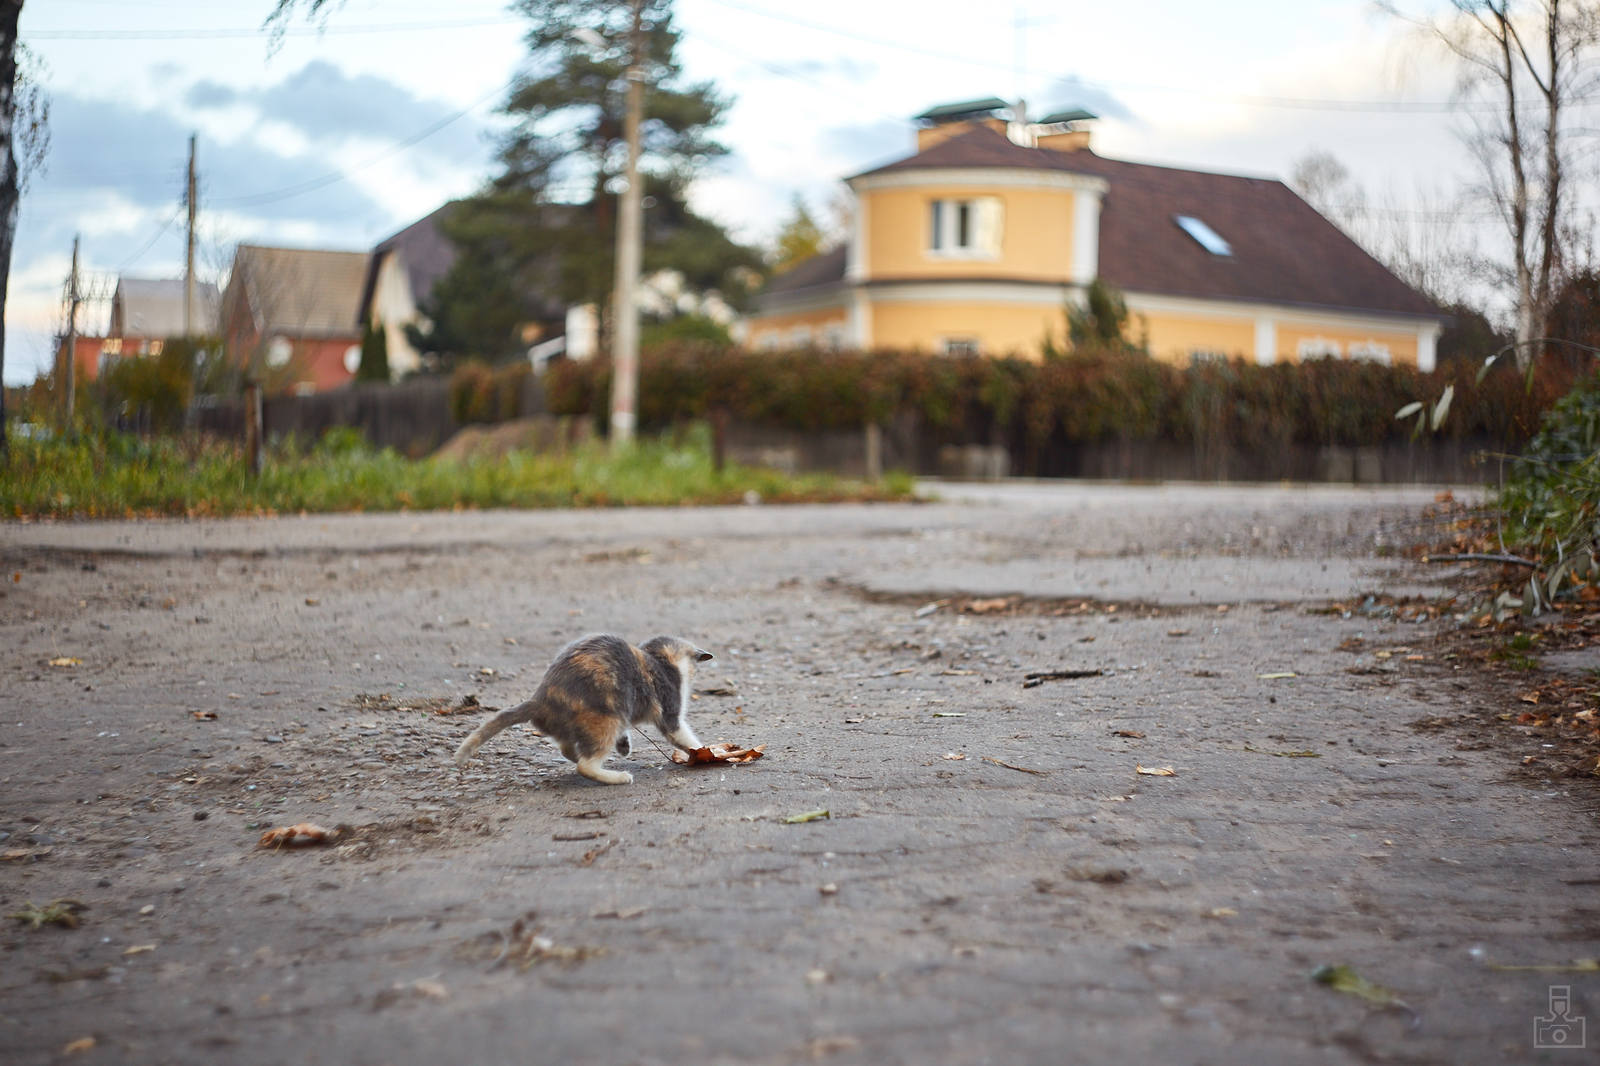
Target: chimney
(941, 123)
(1064, 131)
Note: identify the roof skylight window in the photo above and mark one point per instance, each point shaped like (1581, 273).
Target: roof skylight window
(1208, 238)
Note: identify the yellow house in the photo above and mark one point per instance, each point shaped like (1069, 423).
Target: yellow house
(976, 243)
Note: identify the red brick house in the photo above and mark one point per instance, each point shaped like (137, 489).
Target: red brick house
(291, 316)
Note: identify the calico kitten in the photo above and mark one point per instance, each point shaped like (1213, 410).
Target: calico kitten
(595, 690)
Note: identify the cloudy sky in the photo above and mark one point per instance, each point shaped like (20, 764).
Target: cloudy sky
(350, 132)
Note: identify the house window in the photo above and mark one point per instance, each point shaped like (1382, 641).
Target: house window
(769, 341)
(834, 337)
(1372, 352)
(964, 346)
(1318, 348)
(1204, 235)
(965, 228)
(800, 337)
(156, 346)
(1201, 356)
(112, 346)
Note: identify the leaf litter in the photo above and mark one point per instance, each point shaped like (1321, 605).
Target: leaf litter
(1345, 979)
(717, 753)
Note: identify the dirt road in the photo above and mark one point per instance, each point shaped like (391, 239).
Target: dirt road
(994, 883)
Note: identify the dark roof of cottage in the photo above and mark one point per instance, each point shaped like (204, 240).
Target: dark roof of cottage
(424, 249)
(1284, 252)
(824, 268)
(1071, 114)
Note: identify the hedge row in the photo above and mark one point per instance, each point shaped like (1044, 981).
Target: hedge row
(1083, 398)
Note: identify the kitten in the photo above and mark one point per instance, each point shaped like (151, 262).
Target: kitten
(595, 690)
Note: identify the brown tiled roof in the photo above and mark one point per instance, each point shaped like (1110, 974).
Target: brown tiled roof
(1284, 252)
(299, 292)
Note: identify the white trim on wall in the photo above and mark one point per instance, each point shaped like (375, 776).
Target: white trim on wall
(861, 320)
(980, 177)
(1085, 235)
(1427, 346)
(1266, 341)
(1005, 292)
(1284, 316)
(855, 256)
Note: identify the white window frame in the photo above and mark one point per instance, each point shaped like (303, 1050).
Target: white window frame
(966, 346)
(1373, 352)
(1199, 356)
(799, 337)
(834, 337)
(978, 219)
(1318, 348)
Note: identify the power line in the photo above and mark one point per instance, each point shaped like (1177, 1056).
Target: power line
(149, 244)
(200, 33)
(335, 176)
(1288, 102)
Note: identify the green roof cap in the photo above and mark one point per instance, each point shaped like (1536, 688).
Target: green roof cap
(1072, 114)
(963, 109)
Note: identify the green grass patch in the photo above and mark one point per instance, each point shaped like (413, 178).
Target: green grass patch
(113, 475)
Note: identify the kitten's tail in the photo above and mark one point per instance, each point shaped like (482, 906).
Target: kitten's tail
(522, 712)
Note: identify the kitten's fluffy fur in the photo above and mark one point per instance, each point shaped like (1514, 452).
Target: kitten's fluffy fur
(595, 690)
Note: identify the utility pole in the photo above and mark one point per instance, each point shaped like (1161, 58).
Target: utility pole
(630, 238)
(188, 254)
(71, 370)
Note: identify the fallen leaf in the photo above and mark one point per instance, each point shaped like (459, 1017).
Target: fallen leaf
(808, 816)
(138, 949)
(957, 673)
(724, 689)
(622, 914)
(1346, 980)
(83, 1043)
(949, 714)
(66, 660)
(298, 835)
(1277, 676)
(312, 601)
(424, 986)
(954, 756)
(1155, 771)
(829, 889)
(1177, 632)
(717, 753)
(62, 912)
(999, 603)
(1012, 766)
(928, 608)
(817, 977)
(1134, 733)
(1222, 912)
(204, 716)
(1529, 697)
(14, 854)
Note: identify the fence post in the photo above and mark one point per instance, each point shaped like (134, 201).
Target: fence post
(252, 427)
(874, 449)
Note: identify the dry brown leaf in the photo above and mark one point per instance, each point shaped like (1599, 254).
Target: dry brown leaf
(999, 603)
(297, 835)
(955, 756)
(1529, 697)
(1013, 766)
(204, 716)
(66, 660)
(717, 753)
(138, 949)
(14, 854)
(83, 1043)
(1155, 771)
(1134, 733)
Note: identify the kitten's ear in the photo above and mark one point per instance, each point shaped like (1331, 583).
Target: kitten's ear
(704, 657)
